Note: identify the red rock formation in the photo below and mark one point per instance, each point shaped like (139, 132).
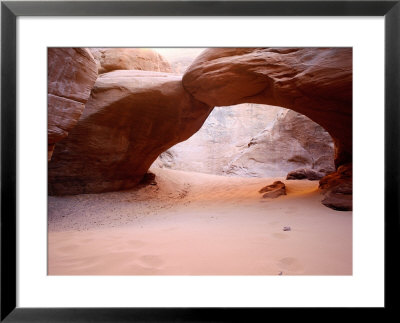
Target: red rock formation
(145, 59)
(71, 76)
(316, 82)
(338, 189)
(130, 118)
(274, 190)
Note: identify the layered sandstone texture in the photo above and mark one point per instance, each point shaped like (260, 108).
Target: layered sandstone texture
(316, 82)
(253, 140)
(145, 59)
(71, 76)
(129, 119)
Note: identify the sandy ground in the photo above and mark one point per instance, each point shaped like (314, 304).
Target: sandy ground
(198, 224)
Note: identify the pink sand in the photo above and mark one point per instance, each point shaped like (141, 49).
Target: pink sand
(198, 224)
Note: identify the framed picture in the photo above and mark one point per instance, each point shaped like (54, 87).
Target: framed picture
(370, 30)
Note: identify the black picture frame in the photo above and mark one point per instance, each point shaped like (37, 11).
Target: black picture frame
(10, 10)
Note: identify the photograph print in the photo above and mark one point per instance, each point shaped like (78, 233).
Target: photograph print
(200, 161)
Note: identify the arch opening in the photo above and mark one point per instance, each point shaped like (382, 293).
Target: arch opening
(254, 140)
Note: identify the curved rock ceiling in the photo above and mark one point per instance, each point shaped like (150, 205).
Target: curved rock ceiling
(316, 82)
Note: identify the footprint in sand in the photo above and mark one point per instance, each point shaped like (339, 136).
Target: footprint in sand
(291, 210)
(289, 264)
(169, 229)
(135, 243)
(151, 260)
(280, 235)
(87, 241)
(69, 248)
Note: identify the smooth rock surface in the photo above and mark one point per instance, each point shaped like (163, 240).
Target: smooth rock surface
(145, 59)
(71, 76)
(290, 142)
(225, 133)
(130, 118)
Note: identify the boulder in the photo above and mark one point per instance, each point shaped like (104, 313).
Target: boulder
(316, 82)
(71, 76)
(129, 119)
(145, 59)
(274, 190)
(338, 201)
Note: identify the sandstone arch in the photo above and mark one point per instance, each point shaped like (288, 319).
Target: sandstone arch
(132, 116)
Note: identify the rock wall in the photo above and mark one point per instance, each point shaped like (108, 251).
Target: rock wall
(292, 141)
(226, 131)
(71, 75)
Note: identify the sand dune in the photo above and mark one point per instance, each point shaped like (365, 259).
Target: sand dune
(198, 224)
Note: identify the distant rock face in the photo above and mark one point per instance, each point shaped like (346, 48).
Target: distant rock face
(179, 59)
(226, 131)
(130, 118)
(316, 82)
(71, 76)
(274, 190)
(253, 140)
(145, 59)
(292, 141)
